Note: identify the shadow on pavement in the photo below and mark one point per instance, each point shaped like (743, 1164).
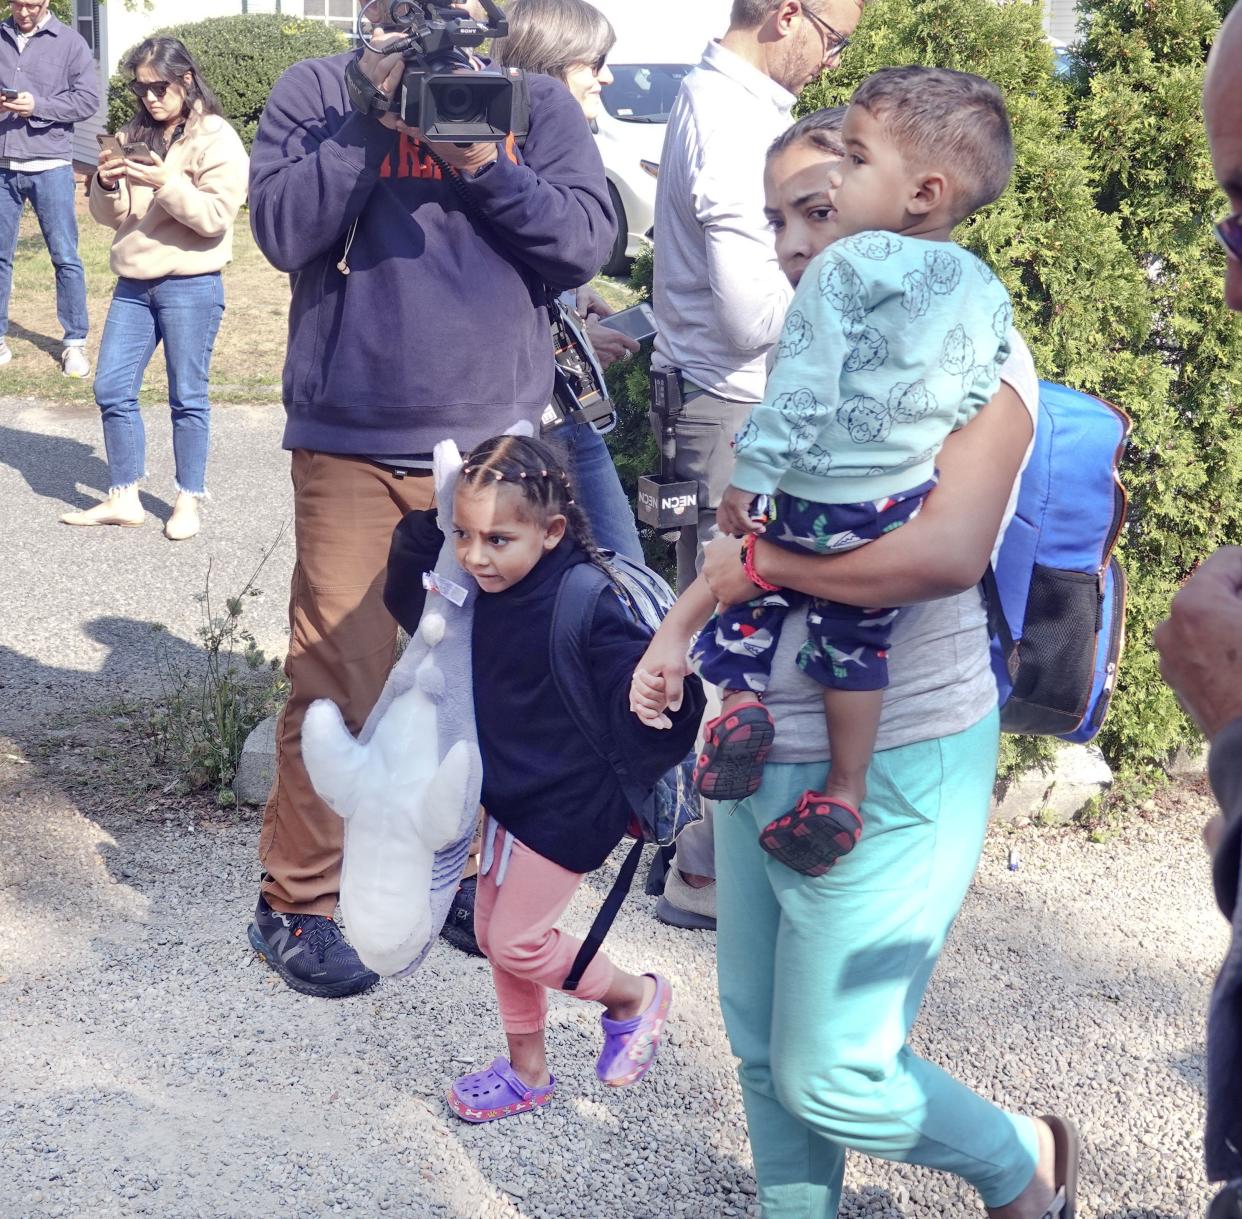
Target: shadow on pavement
(54, 467)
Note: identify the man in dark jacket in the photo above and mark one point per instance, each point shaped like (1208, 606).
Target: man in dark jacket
(1200, 649)
(419, 276)
(50, 82)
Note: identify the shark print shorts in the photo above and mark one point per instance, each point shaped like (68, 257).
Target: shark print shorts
(847, 647)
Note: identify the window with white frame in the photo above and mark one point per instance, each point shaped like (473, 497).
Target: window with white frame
(338, 13)
(86, 22)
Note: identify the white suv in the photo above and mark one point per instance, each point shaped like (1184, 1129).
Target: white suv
(630, 134)
(654, 51)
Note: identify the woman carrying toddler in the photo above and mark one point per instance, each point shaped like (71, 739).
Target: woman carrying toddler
(822, 973)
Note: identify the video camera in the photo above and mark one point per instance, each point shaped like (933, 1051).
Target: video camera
(442, 93)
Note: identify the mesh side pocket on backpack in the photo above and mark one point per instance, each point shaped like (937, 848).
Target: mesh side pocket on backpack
(1056, 655)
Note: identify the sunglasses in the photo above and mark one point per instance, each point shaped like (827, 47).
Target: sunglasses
(140, 88)
(834, 41)
(1229, 234)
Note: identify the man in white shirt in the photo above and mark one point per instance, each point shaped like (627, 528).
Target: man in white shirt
(720, 297)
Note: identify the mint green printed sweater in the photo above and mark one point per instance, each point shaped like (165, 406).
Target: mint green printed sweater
(890, 344)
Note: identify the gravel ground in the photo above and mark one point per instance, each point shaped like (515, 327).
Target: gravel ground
(150, 1065)
(153, 1066)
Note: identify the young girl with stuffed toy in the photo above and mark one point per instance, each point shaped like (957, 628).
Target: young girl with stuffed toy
(555, 810)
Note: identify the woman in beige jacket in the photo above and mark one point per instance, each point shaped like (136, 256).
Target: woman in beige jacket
(174, 222)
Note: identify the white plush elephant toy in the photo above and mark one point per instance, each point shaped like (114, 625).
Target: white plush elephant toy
(408, 787)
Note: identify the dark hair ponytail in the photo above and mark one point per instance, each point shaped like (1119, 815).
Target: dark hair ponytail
(538, 475)
(169, 57)
(822, 128)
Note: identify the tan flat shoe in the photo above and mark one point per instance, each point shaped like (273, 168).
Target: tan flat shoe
(184, 522)
(104, 514)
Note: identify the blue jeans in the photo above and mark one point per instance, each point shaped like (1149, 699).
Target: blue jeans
(822, 977)
(184, 313)
(598, 490)
(51, 194)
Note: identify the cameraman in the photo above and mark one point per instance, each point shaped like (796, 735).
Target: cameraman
(417, 314)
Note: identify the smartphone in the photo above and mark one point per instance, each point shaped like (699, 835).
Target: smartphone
(136, 150)
(9, 95)
(636, 322)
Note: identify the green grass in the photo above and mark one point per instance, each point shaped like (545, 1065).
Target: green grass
(249, 352)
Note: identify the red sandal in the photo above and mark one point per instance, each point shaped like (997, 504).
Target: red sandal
(814, 835)
(735, 747)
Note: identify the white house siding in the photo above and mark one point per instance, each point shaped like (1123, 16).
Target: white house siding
(1060, 19)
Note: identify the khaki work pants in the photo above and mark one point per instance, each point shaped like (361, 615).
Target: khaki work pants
(341, 646)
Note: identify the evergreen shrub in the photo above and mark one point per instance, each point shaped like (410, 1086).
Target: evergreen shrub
(241, 58)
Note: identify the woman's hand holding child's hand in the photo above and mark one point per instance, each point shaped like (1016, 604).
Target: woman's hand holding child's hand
(734, 514)
(648, 699)
(657, 683)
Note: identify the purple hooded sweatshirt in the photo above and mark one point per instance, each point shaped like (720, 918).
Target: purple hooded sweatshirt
(440, 328)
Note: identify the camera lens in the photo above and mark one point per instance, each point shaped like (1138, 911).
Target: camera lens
(457, 102)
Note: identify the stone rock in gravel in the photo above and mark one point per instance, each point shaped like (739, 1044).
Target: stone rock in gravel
(257, 767)
(1189, 761)
(1079, 773)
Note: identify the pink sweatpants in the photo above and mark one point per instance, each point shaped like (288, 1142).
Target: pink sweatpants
(515, 926)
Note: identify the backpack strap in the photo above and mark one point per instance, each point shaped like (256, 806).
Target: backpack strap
(605, 918)
(998, 624)
(572, 617)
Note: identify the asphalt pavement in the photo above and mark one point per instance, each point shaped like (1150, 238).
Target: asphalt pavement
(81, 607)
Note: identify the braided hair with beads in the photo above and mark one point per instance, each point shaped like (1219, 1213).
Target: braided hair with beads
(535, 470)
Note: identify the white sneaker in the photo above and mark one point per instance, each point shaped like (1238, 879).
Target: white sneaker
(6, 352)
(73, 362)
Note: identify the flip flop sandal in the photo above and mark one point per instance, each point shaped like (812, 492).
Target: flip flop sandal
(814, 835)
(631, 1046)
(735, 747)
(1065, 1140)
(495, 1093)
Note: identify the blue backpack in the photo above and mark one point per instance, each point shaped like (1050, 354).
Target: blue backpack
(660, 811)
(1056, 596)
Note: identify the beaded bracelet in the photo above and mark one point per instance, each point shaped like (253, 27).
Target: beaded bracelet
(748, 565)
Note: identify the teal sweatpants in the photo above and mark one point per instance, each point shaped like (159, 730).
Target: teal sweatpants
(821, 980)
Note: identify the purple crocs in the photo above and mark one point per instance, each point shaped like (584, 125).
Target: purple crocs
(631, 1046)
(495, 1093)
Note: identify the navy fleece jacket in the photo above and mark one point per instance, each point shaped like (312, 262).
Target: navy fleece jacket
(439, 329)
(542, 779)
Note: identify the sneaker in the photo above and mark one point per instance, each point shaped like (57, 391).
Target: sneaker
(73, 362)
(682, 905)
(6, 352)
(458, 928)
(309, 952)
